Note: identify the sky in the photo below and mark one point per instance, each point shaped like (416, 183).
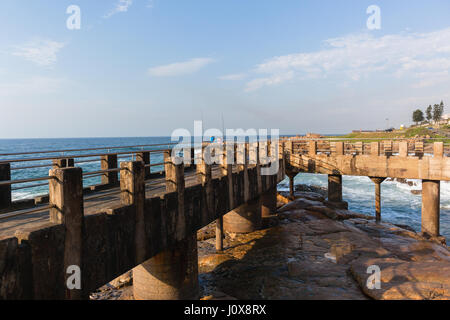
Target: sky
(148, 67)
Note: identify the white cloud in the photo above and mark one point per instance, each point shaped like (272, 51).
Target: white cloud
(269, 81)
(31, 85)
(357, 56)
(121, 6)
(180, 68)
(41, 52)
(236, 76)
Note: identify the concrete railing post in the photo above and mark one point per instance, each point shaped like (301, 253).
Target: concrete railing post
(132, 187)
(339, 148)
(145, 158)
(377, 182)
(66, 199)
(359, 146)
(375, 148)
(109, 161)
(418, 149)
(63, 163)
(312, 148)
(403, 149)
(5, 190)
(334, 188)
(387, 145)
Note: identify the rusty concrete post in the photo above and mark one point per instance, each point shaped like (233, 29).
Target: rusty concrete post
(107, 162)
(5, 190)
(377, 181)
(334, 188)
(291, 177)
(173, 273)
(430, 207)
(132, 187)
(66, 199)
(145, 158)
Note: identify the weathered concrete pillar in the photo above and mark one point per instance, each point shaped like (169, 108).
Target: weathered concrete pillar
(145, 158)
(269, 202)
(291, 176)
(227, 171)
(170, 275)
(247, 217)
(430, 206)
(173, 273)
(66, 198)
(5, 190)
(377, 182)
(334, 188)
(109, 161)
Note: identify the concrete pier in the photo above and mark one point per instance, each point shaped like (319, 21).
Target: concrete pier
(430, 206)
(170, 275)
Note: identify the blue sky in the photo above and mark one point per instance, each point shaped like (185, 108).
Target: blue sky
(143, 68)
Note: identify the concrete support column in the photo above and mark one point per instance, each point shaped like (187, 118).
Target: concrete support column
(66, 197)
(430, 206)
(334, 188)
(291, 177)
(377, 182)
(269, 202)
(5, 190)
(170, 275)
(145, 158)
(109, 161)
(173, 273)
(245, 218)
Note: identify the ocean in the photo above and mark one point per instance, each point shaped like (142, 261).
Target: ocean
(398, 204)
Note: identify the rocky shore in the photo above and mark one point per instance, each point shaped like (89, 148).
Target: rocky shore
(313, 250)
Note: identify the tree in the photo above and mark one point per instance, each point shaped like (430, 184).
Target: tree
(441, 108)
(437, 112)
(418, 116)
(429, 113)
